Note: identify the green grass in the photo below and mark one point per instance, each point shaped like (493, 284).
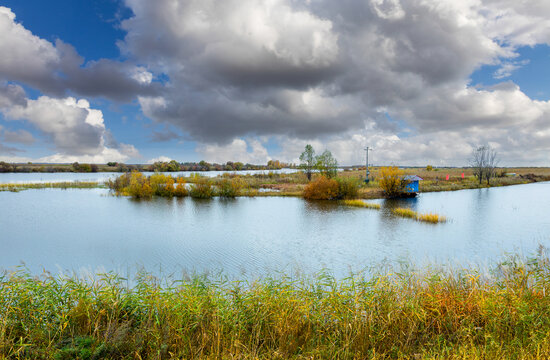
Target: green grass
(361, 203)
(52, 185)
(460, 314)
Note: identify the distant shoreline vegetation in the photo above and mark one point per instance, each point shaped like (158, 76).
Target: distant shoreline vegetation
(344, 184)
(163, 166)
(16, 187)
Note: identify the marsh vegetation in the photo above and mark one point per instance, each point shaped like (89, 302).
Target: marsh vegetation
(399, 314)
(424, 217)
(15, 187)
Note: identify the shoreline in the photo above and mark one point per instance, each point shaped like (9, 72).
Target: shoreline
(366, 193)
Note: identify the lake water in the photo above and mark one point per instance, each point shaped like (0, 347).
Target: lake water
(90, 230)
(13, 178)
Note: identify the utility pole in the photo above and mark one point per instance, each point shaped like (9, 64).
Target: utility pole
(368, 172)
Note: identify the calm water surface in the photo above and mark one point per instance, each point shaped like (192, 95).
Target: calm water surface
(91, 230)
(11, 178)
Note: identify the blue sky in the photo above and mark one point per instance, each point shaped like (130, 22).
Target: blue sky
(134, 81)
(532, 74)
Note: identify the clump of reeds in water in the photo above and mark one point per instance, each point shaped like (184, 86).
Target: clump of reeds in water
(431, 218)
(404, 212)
(427, 217)
(460, 314)
(361, 203)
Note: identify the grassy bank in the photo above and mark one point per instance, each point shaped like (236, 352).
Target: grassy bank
(51, 185)
(430, 314)
(294, 184)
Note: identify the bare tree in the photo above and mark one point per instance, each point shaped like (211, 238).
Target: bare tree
(491, 162)
(484, 162)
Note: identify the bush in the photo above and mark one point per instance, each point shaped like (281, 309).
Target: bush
(202, 189)
(429, 168)
(391, 181)
(180, 190)
(85, 168)
(139, 186)
(162, 185)
(117, 185)
(169, 189)
(348, 188)
(230, 188)
(321, 189)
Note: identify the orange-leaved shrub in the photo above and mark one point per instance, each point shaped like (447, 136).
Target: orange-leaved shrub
(180, 190)
(321, 188)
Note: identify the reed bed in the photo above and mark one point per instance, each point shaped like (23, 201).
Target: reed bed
(432, 218)
(460, 314)
(406, 213)
(361, 203)
(51, 185)
(427, 217)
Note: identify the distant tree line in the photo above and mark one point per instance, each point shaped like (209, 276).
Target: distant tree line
(164, 166)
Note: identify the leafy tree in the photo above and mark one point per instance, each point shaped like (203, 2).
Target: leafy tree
(308, 161)
(275, 164)
(327, 164)
(173, 165)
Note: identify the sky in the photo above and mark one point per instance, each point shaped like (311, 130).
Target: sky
(137, 81)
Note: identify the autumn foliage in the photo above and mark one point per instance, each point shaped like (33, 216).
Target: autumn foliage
(321, 189)
(391, 181)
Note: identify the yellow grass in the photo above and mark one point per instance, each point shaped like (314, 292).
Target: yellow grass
(361, 203)
(404, 212)
(431, 218)
(427, 217)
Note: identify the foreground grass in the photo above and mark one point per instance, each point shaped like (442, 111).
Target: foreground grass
(432, 314)
(51, 185)
(411, 214)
